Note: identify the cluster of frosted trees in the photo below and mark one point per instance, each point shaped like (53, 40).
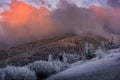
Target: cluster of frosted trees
(17, 73)
(111, 44)
(39, 69)
(42, 69)
(65, 58)
(33, 71)
(91, 52)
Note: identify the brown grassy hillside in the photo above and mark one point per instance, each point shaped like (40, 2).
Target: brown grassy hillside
(39, 50)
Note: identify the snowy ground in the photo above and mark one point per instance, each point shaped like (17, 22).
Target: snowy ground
(107, 68)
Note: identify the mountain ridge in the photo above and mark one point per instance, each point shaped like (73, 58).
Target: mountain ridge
(39, 50)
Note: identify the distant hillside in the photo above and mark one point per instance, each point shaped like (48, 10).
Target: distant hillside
(39, 50)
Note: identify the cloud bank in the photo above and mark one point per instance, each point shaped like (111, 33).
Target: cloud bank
(25, 22)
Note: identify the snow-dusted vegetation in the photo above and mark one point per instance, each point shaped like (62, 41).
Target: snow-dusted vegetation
(69, 58)
(104, 65)
(44, 69)
(89, 51)
(17, 73)
(34, 71)
(111, 44)
(100, 63)
(107, 68)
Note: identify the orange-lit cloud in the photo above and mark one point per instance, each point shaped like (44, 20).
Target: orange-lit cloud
(99, 11)
(18, 15)
(24, 22)
(21, 14)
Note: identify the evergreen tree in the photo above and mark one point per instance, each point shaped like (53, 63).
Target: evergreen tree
(50, 57)
(86, 48)
(112, 43)
(19, 73)
(114, 39)
(102, 45)
(64, 57)
(89, 51)
(60, 57)
(99, 52)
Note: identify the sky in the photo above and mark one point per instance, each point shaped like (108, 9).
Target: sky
(54, 3)
(23, 21)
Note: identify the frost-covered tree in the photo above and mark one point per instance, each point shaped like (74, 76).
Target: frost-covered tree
(91, 48)
(44, 69)
(114, 39)
(2, 75)
(89, 51)
(102, 46)
(18, 73)
(68, 58)
(86, 48)
(112, 43)
(64, 57)
(50, 57)
(60, 57)
(71, 58)
(99, 53)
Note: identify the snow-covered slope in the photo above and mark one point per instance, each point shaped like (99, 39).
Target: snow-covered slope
(107, 68)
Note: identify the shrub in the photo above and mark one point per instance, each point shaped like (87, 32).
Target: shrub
(44, 69)
(18, 73)
(2, 75)
(89, 51)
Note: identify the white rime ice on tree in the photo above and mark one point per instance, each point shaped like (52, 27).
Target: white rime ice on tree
(112, 43)
(71, 58)
(18, 73)
(64, 57)
(114, 39)
(50, 57)
(2, 75)
(91, 47)
(89, 51)
(107, 68)
(60, 57)
(102, 45)
(47, 68)
(86, 51)
(99, 52)
(86, 48)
